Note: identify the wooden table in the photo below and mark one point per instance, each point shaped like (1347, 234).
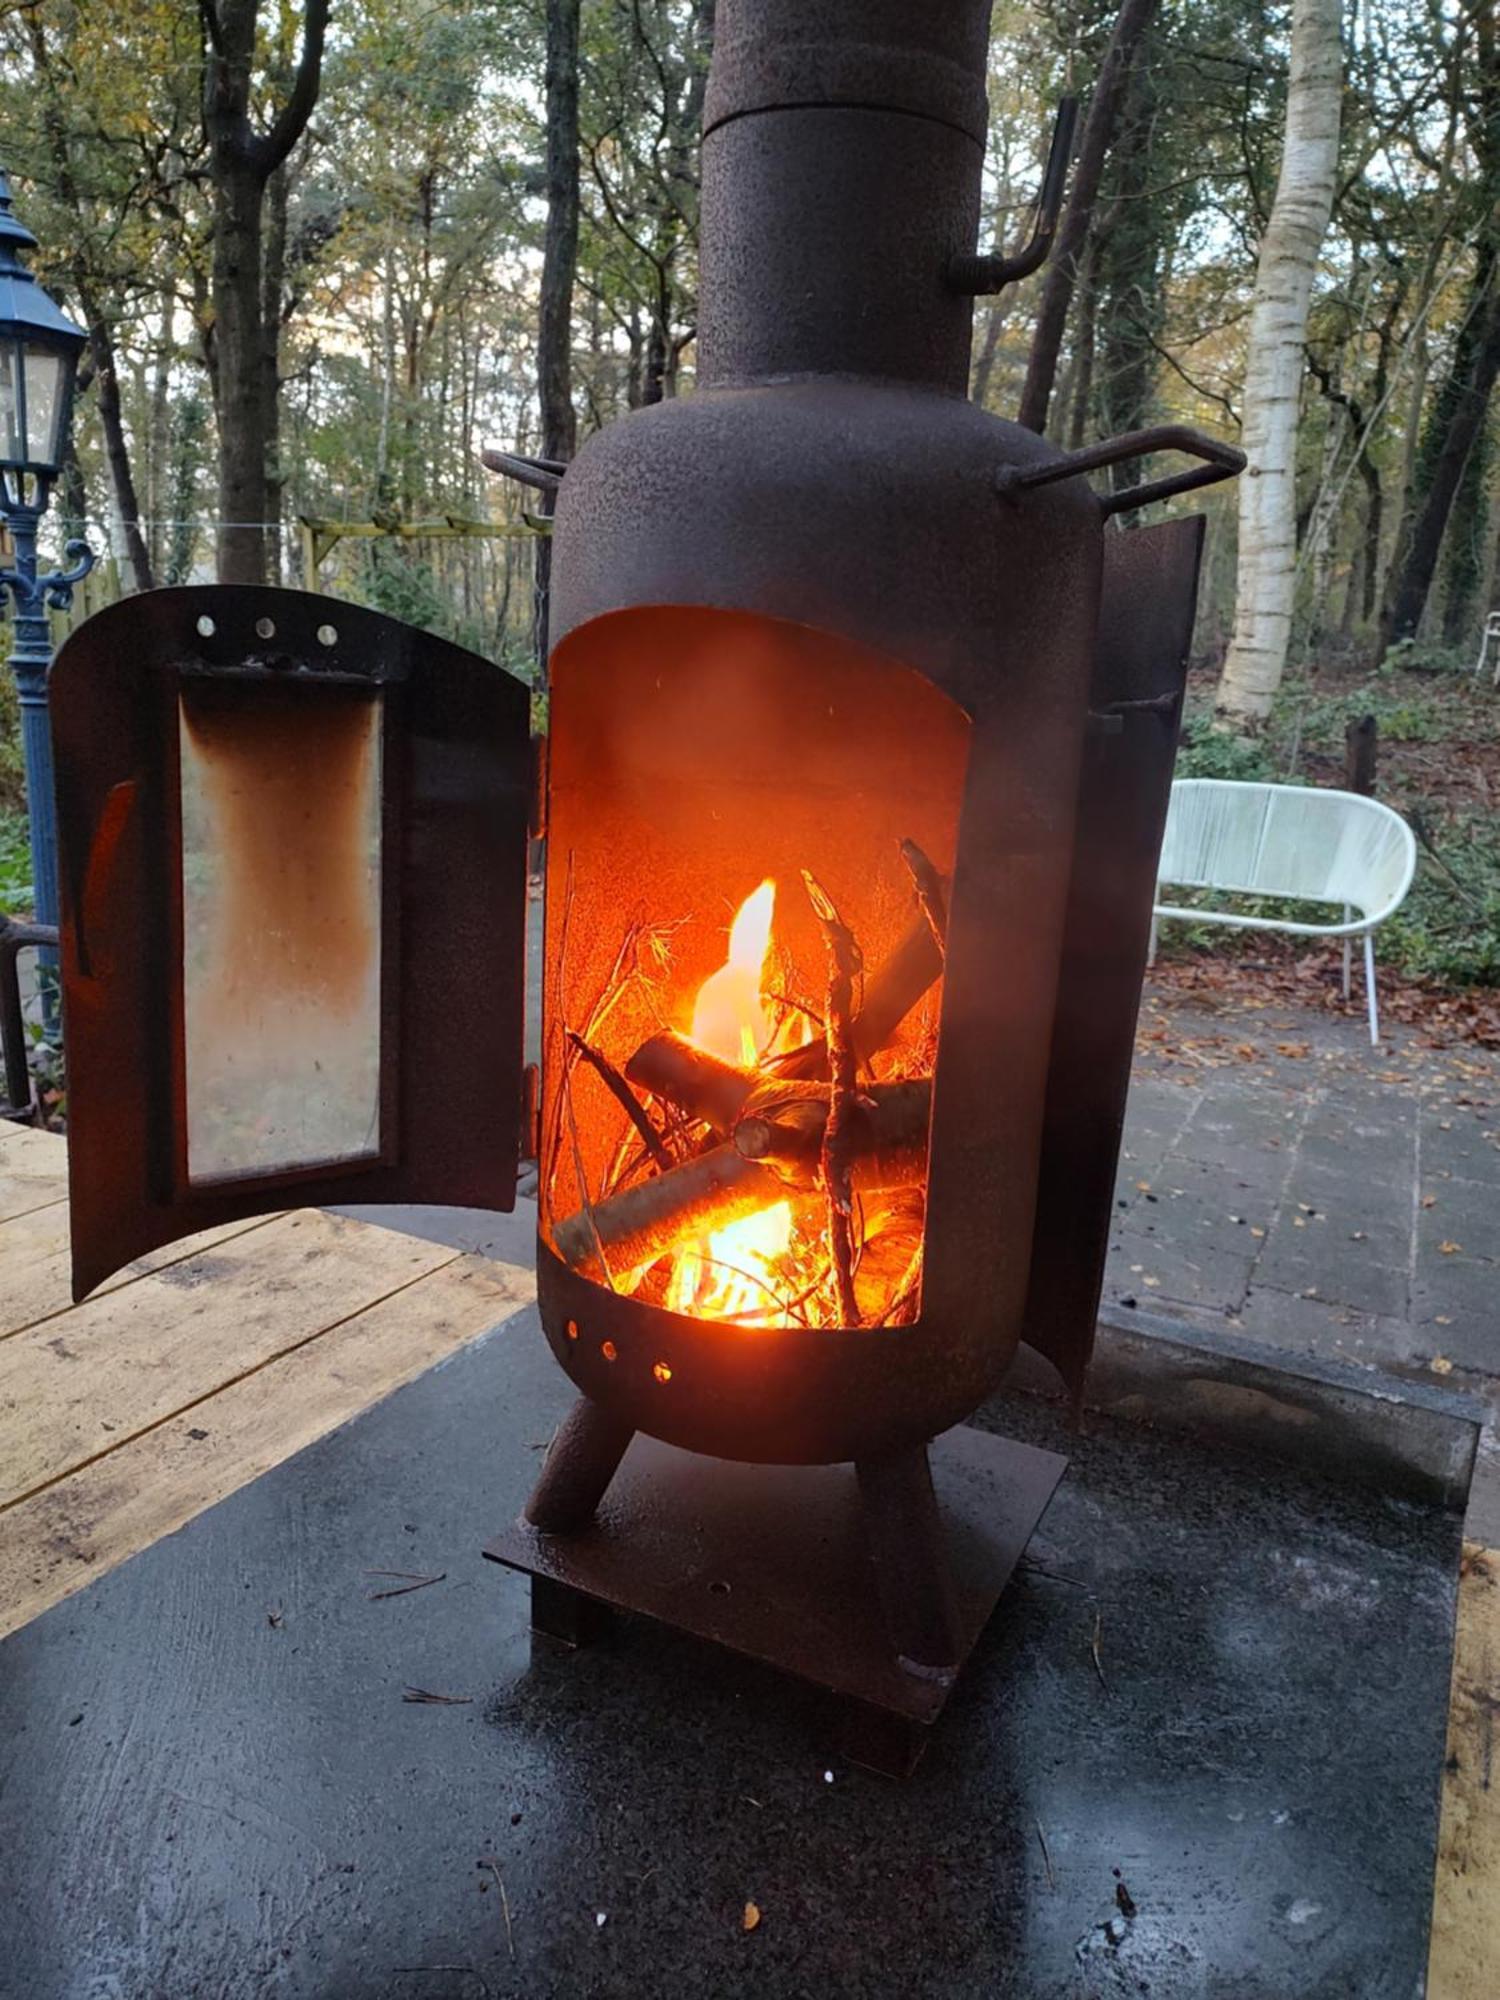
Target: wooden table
(196, 1369)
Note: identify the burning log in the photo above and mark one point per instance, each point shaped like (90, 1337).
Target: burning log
(887, 1143)
(636, 1226)
(784, 1124)
(692, 1079)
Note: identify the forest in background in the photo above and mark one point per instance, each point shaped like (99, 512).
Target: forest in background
(476, 226)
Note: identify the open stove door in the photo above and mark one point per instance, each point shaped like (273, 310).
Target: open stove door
(1146, 608)
(292, 843)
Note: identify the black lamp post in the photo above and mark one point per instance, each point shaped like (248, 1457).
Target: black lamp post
(39, 352)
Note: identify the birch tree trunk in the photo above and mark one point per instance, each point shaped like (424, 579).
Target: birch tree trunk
(1299, 218)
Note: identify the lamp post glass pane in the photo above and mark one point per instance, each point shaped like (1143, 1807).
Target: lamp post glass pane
(43, 406)
(12, 445)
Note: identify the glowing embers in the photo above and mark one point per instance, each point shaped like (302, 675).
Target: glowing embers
(770, 1165)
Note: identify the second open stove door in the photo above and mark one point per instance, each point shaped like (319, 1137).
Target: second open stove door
(1140, 671)
(292, 862)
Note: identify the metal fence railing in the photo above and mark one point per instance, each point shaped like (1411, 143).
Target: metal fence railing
(20, 1092)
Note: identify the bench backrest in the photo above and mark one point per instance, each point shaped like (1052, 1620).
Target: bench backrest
(1287, 840)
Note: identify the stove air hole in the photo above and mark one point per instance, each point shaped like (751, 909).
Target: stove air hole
(662, 1372)
(572, 1329)
(265, 628)
(206, 627)
(719, 1588)
(328, 635)
(610, 1351)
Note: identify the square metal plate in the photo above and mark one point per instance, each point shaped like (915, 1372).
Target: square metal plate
(770, 1561)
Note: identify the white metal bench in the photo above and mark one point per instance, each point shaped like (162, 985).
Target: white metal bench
(1491, 632)
(1291, 841)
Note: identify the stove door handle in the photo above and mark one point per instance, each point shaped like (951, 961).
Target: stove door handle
(1220, 461)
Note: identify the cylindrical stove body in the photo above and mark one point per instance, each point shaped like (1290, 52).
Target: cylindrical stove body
(793, 621)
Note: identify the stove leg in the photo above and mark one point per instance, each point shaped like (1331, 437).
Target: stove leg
(904, 1530)
(584, 1458)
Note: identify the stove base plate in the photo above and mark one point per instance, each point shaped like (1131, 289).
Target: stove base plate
(771, 1561)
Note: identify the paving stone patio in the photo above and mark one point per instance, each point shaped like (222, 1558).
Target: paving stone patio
(1282, 1177)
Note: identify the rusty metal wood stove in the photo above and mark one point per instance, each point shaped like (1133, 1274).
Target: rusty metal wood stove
(863, 714)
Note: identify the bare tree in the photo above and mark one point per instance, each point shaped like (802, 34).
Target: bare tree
(1062, 274)
(1273, 368)
(242, 161)
(1463, 401)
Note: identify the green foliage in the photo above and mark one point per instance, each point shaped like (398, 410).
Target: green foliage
(1399, 717)
(403, 586)
(1206, 752)
(15, 865)
(12, 770)
(1415, 656)
(1449, 926)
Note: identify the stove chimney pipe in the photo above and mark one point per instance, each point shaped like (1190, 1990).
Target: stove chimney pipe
(843, 146)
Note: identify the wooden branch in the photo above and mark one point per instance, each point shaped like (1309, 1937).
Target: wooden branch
(930, 898)
(624, 1096)
(270, 151)
(641, 1223)
(693, 1080)
(891, 991)
(834, 1161)
(784, 1124)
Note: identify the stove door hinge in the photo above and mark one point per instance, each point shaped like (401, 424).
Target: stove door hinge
(538, 787)
(531, 1112)
(1110, 719)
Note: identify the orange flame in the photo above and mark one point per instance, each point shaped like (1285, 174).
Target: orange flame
(734, 1274)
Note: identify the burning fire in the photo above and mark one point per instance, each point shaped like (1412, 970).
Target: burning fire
(739, 1270)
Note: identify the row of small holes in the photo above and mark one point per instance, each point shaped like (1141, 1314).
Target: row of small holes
(266, 629)
(659, 1369)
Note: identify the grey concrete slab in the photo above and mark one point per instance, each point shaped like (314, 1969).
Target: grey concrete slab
(1462, 1143)
(1293, 1323)
(1152, 1268)
(1347, 1260)
(1336, 1271)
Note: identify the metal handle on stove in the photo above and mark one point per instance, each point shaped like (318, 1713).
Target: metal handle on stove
(1220, 461)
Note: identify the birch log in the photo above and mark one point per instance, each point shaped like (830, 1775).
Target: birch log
(1273, 369)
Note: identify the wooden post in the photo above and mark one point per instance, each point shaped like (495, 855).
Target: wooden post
(1361, 746)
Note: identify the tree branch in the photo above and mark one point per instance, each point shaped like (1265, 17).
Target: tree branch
(273, 148)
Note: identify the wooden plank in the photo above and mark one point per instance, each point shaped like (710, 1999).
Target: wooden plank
(33, 1169)
(77, 1529)
(1466, 1904)
(82, 1384)
(35, 1277)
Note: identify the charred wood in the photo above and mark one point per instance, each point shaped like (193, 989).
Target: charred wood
(631, 1229)
(701, 1085)
(784, 1125)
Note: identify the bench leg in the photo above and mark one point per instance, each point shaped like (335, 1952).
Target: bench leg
(1370, 989)
(1348, 951)
(1151, 947)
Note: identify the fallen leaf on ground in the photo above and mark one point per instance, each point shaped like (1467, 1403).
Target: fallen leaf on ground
(1449, 1249)
(751, 1917)
(1440, 1365)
